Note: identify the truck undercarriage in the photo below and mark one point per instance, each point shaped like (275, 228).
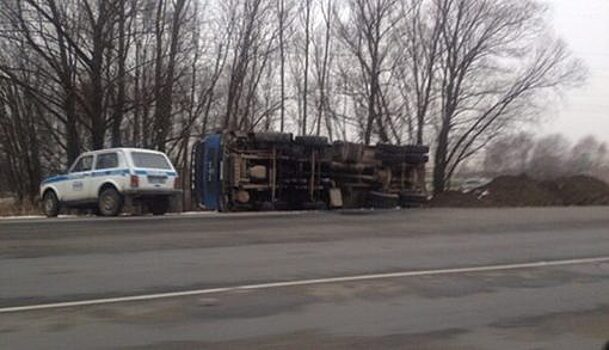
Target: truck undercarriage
(235, 171)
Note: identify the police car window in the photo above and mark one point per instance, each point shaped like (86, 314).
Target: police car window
(84, 164)
(107, 161)
(150, 160)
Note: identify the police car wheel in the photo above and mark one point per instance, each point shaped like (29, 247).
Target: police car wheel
(110, 202)
(50, 204)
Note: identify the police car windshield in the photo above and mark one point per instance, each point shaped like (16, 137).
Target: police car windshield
(150, 160)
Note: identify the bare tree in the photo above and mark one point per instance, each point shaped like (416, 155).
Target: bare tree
(588, 156)
(548, 160)
(281, 14)
(251, 54)
(20, 144)
(59, 93)
(123, 33)
(307, 42)
(366, 34)
(491, 74)
(417, 60)
(322, 46)
(165, 80)
(509, 155)
(546, 157)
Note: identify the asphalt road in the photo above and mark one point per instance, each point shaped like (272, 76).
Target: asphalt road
(463, 294)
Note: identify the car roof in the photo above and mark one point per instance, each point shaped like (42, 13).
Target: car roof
(121, 149)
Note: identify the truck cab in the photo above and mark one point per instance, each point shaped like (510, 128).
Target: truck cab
(208, 172)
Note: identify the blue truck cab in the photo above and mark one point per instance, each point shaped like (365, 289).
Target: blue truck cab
(208, 172)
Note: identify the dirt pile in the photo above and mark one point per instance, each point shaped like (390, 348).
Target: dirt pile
(518, 191)
(580, 190)
(523, 191)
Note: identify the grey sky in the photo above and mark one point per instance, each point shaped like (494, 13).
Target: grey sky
(584, 24)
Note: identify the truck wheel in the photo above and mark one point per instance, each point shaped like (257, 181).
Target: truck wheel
(321, 205)
(390, 157)
(395, 149)
(382, 200)
(159, 206)
(110, 202)
(273, 137)
(416, 158)
(412, 200)
(312, 141)
(420, 149)
(50, 204)
(266, 206)
(384, 148)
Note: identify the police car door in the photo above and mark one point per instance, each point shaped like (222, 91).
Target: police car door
(107, 167)
(78, 187)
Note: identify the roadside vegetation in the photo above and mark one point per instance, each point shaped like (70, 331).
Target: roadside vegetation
(529, 170)
(524, 191)
(80, 75)
(10, 207)
(546, 157)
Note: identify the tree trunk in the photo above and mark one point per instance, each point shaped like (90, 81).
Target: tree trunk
(305, 91)
(119, 108)
(282, 63)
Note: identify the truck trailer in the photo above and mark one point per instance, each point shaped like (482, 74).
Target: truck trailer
(245, 171)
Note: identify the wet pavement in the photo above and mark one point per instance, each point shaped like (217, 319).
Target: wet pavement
(560, 307)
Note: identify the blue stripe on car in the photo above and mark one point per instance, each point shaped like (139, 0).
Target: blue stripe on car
(54, 179)
(145, 172)
(97, 173)
(122, 172)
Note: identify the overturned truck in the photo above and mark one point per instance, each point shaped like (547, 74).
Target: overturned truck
(238, 171)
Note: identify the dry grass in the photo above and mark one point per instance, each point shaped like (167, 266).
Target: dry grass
(9, 207)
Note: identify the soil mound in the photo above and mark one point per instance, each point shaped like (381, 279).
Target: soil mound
(581, 190)
(519, 191)
(523, 191)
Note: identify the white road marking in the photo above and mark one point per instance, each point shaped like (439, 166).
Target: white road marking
(261, 286)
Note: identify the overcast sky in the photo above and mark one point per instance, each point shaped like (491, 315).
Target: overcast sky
(584, 24)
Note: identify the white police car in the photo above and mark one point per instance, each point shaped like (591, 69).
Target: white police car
(105, 179)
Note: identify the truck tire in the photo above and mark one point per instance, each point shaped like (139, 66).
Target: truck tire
(50, 204)
(390, 157)
(410, 158)
(384, 148)
(420, 149)
(110, 202)
(382, 200)
(273, 137)
(159, 206)
(412, 200)
(416, 158)
(312, 141)
(266, 206)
